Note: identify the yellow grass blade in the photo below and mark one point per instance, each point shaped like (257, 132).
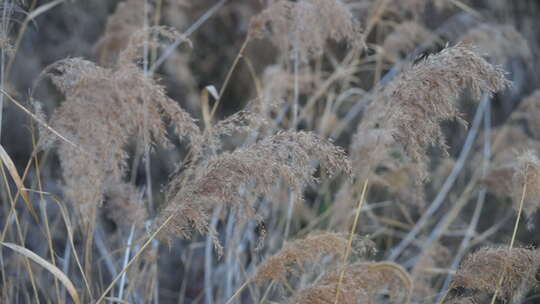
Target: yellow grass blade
(50, 267)
(353, 231)
(6, 160)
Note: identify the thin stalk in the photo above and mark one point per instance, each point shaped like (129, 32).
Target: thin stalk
(351, 236)
(4, 29)
(208, 288)
(43, 209)
(296, 87)
(168, 51)
(13, 212)
(514, 233)
(65, 267)
(126, 259)
(229, 74)
(20, 35)
(230, 256)
(146, 140)
(289, 215)
(238, 291)
(143, 247)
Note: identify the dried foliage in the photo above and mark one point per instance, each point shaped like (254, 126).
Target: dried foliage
(404, 40)
(462, 300)
(307, 25)
(482, 270)
(404, 120)
(516, 164)
(401, 10)
(278, 84)
(528, 113)
(422, 274)
(6, 44)
(370, 146)
(527, 182)
(424, 95)
(104, 111)
(248, 179)
(499, 42)
(245, 122)
(513, 139)
(123, 205)
(362, 283)
(127, 19)
(287, 157)
(310, 249)
(376, 156)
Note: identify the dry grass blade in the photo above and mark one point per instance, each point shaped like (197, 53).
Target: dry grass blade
(141, 250)
(69, 229)
(36, 118)
(50, 267)
(29, 18)
(6, 160)
(42, 9)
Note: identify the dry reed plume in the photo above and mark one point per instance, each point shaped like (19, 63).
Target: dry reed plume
(288, 157)
(528, 112)
(105, 109)
(405, 38)
(436, 257)
(425, 94)
(362, 283)
(307, 25)
(310, 249)
(286, 120)
(516, 163)
(499, 42)
(482, 270)
(526, 183)
(128, 18)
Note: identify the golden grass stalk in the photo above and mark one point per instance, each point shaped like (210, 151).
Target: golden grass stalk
(351, 236)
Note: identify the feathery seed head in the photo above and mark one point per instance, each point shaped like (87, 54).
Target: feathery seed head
(307, 25)
(425, 94)
(482, 270)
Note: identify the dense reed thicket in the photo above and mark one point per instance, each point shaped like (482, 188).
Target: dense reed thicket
(271, 151)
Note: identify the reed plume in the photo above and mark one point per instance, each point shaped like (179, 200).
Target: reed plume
(127, 19)
(105, 109)
(528, 112)
(286, 157)
(362, 282)
(425, 94)
(307, 25)
(404, 39)
(482, 270)
(310, 249)
(526, 183)
(498, 42)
